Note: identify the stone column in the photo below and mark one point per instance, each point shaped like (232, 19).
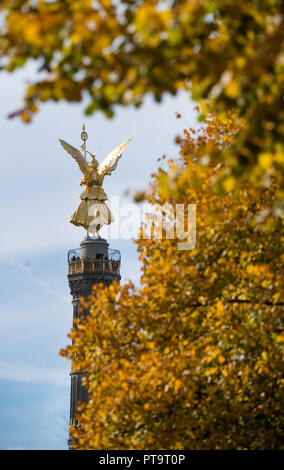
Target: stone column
(92, 263)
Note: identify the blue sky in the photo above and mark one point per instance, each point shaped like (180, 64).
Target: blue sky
(39, 184)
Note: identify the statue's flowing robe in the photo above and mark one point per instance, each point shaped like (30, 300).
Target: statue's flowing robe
(92, 213)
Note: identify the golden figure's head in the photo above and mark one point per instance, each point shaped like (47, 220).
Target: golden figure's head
(93, 164)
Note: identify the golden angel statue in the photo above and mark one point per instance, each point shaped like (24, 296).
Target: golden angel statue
(92, 213)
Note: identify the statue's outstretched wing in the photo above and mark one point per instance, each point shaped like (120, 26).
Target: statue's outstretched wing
(78, 156)
(111, 160)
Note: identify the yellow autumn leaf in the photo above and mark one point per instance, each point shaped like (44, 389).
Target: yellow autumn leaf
(221, 359)
(229, 184)
(280, 338)
(265, 160)
(210, 371)
(232, 90)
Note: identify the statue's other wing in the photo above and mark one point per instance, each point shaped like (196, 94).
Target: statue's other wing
(111, 160)
(78, 156)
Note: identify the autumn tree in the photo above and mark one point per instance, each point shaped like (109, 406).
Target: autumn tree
(192, 358)
(115, 52)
